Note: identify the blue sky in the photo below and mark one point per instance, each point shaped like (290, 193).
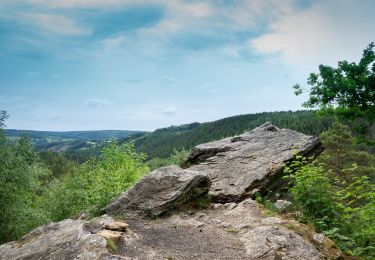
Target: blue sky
(146, 64)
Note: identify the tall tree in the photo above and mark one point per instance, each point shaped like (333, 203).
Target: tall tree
(349, 87)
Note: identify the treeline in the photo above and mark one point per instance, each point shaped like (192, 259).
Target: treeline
(162, 142)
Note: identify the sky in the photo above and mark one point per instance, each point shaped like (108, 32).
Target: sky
(146, 64)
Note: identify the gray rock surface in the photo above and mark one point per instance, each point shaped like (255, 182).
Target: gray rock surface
(233, 231)
(162, 190)
(282, 205)
(67, 239)
(227, 232)
(242, 165)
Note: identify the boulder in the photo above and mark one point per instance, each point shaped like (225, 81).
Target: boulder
(243, 165)
(161, 190)
(282, 205)
(67, 239)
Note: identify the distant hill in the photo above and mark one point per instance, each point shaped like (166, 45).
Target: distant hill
(81, 145)
(162, 142)
(81, 135)
(77, 144)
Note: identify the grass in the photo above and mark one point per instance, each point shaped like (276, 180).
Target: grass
(202, 202)
(233, 230)
(111, 245)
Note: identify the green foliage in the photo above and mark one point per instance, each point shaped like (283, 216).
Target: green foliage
(350, 86)
(92, 185)
(35, 191)
(312, 192)
(265, 201)
(341, 158)
(335, 192)
(202, 202)
(20, 174)
(176, 158)
(58, 163)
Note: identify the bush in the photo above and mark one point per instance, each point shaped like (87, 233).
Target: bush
(336, 194)
(92, 185)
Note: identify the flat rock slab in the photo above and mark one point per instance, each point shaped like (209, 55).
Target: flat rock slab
(227, 231)
(242, 165)
(161, 191)
(239, 231)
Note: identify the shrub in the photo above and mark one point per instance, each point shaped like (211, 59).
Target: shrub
(92, 185)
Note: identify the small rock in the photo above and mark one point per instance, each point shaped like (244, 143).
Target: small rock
(272, 220)
(110, 234)
(117, 226)
(282, 205)
(217, 205)
(230, 205)
(319, 238)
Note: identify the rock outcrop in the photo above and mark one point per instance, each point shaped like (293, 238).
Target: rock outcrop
(242, 165)
(238, 229)
(162, 190)
(67, 239)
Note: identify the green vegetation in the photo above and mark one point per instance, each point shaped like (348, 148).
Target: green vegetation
(176, 158)
(92, 185)
(336, 195)
(36, 191)
(350, 87)
(265, 201)
(111, 245)
(336, 192)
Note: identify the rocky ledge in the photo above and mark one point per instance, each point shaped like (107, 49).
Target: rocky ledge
(167, 214)
(252, 162)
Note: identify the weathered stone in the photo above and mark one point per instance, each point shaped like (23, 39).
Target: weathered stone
(241, 232)
(242, 165)
(282, 205)
(110, 234)
(117, 226)
(67, 239)
(162, 190)
(319, 238)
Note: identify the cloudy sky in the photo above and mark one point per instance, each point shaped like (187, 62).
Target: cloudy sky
(145, 64)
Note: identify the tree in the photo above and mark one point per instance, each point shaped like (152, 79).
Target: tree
(20, 173)
(349, 87)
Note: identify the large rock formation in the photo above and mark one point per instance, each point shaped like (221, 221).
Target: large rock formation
(241, 229)
(242, 165)
(162, 190)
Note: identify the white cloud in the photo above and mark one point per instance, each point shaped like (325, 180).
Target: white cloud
(54, 23)
(96, 102)
(50, 116)
(32, 73)
(215, 91)
(168, 80)
(129, 114)
(168, 111)
(323, 33)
